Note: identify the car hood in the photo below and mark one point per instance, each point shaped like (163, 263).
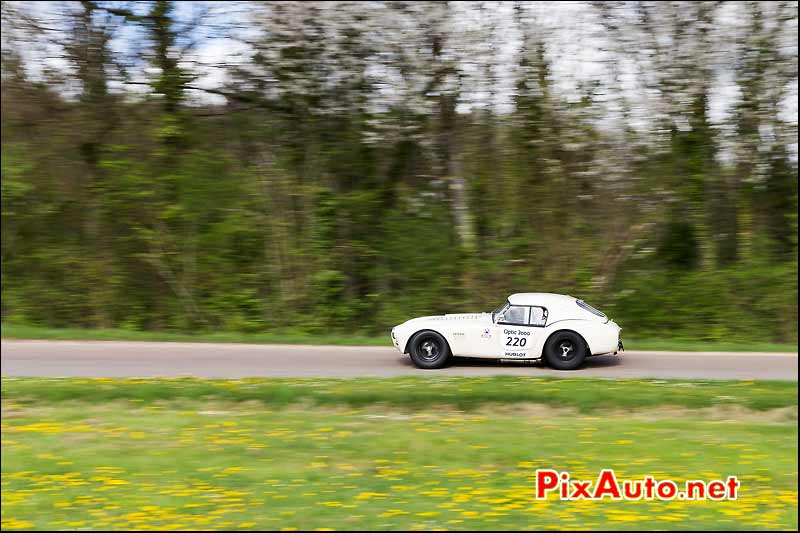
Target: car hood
(474, 317)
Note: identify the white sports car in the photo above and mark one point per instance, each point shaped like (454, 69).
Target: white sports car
(561, 329)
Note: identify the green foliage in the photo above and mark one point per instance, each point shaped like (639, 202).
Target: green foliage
(779, 195)
(321, 199)
(331, 309)
(678, 247)
(736, 304)
(195, 250)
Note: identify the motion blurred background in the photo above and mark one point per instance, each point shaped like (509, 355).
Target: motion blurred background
(344, 166)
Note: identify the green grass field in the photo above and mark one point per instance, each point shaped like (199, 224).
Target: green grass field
(406, 453)
(16, 331)
(585, 395)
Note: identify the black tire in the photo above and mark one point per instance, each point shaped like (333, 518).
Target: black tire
(565, 350)
(429, 350)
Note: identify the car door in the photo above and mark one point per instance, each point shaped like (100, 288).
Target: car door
(482, 336)
(519, 328)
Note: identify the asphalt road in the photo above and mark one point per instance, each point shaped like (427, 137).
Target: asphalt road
(151, 359)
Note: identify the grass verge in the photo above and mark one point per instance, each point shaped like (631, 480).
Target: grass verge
(584, 394)
(17, 331)
(358, 454)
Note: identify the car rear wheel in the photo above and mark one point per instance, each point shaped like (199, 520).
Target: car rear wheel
(429, 350)
(565, 350)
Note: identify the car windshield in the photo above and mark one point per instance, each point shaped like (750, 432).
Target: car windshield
(499, 309)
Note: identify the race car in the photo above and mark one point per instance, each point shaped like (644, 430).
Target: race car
(560, 329)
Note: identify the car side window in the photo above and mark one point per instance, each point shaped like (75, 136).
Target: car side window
(514, 314)
(538, 316)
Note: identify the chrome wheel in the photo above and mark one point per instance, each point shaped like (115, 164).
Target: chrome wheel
(567, 350)
(429, 349)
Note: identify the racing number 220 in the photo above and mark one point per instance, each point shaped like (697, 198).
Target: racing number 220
(516, 341)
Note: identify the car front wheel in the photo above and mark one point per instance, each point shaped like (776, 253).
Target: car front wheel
(565, 350)
(429, 350)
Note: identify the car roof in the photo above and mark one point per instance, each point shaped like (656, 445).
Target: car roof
(545, 299)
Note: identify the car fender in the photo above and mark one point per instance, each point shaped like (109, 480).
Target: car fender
(455, 328)
(600, 337)
(407, 343)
